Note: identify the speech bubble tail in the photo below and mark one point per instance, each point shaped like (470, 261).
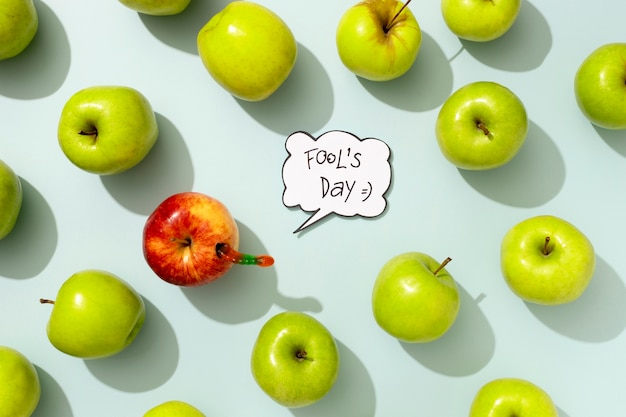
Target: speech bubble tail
(315, 217)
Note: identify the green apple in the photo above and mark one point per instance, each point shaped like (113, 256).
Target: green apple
(414, 298)
(508, 397)
(295, 359)
(378, 39)
(157, 7)
(600, 86)
(11, 196)
(107, 129)
(480, 20)
(547, 260)
(481, 126)
(248, 49)
(174, 409)
(95, 314)
(20, 390)
(18, 25)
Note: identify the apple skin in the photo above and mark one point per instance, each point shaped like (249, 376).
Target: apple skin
(19, 22)
(21, 389)
(174, 409)
(106, 130)
(410, 302)
(370, 51)
(248, 49)
(157, 7)
(497, 109)
(506, 397)
(549, 279)
(599, 86)
(95, 315)
(480, 20)
(180, 238)
(295, 359)
(11, 197)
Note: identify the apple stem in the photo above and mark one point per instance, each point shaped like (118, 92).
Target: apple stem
(46, 301)
(443, 265)
(483, 127)
(391, 22)
(224, 250)
(546, 250)
(93, 133)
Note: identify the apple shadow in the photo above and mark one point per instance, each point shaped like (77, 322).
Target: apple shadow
(465, 349)
(303, 102)
(181, 31)
(523, 48)
(246, 292)
(42, 67)
(561, 412)
(166, 170)
(147, 363)
(53, 401)
(425, 86)
(28, 249)
(616, 139)
(352, 395)
(599, 315)
(532, 178)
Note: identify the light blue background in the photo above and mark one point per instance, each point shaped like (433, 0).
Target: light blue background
(196, 343)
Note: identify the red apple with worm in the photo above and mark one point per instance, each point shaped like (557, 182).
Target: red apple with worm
(191, 239)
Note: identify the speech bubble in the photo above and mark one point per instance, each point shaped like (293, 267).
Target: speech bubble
(336, 173)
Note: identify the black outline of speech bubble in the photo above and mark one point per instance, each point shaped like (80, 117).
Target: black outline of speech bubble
(300, 228)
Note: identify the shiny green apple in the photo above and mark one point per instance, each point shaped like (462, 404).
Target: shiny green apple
(95, 314)
(481, 126)
(157, 7)
(19, 384)
(415, 299)
(295, 359)
(11, 196)
(600, 86)
(174, 409)
(480, 20)
(378, 40)
(107, 129)
(248, 49)
(507, 397)
(547, 260)
(18, 25)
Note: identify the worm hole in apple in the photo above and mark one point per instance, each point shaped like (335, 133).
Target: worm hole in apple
(442, 265)
(392, 21)
(224, 250)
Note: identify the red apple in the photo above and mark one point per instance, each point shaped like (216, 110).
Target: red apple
(191, 239)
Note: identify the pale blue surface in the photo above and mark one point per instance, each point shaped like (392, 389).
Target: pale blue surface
(196, 342)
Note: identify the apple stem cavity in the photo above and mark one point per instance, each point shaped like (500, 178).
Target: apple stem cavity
(301, 355)
(46, 301)
(546, 250)
(442, 265)
(392, 21)
(224, 250)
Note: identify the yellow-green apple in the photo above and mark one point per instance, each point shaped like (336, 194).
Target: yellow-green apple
(480, 20)
(21, 390)
(600, 86)
(18, 25)
(11, 196)
(248, 49)
(295, 359)
(547, 260)
(95, 314)
(174, 409)
(157, 7)
(481, 126)
(191, 239)
(107, 129)
(507, 397)
(415, 299)
(378, 40)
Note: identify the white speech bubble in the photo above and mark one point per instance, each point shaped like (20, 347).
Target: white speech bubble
(336, 173)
